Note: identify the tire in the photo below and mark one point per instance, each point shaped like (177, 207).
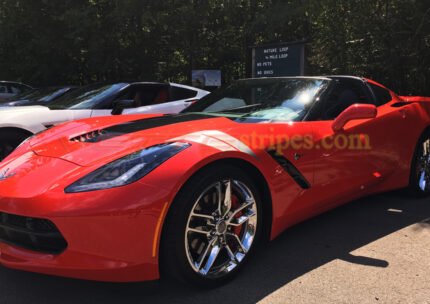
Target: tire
(419, 181)
(185, 253)
(9, 140)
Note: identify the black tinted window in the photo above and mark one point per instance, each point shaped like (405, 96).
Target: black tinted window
(3, 88)
(382, 95)
(146, 94)
(342, 95)
(14, 89)
(181, 93)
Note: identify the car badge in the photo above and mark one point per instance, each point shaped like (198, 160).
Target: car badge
(4, 175)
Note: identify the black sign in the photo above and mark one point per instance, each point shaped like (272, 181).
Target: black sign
(278, 60)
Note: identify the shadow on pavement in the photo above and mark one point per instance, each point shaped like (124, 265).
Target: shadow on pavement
(297, 251)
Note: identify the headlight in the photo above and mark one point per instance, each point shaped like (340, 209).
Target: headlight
(128, 169)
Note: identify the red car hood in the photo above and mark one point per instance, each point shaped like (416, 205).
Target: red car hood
(105, 139)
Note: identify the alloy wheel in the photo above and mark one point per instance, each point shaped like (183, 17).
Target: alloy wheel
(221, 228)
(423, 167)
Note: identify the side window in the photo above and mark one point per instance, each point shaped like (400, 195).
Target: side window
(162, 95)
(343, 95)
(14, 89)
(125, 94)
(3, 89)
(150, 95)
(177, 93)
(145, 95)
(382, 95)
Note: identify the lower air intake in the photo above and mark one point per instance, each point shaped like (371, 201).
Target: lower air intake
(31, 233)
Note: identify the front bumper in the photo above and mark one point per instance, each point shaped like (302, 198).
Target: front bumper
(119, 245)
(110, 235)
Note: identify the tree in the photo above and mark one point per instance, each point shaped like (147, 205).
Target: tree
(46, 42)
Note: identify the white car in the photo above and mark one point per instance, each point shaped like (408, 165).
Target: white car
(19, 123)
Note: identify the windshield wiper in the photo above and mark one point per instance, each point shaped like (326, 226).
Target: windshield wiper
(240, 108)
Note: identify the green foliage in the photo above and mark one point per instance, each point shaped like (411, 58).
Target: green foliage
(81, 41)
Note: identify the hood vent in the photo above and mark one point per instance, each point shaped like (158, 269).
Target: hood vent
(88, 137)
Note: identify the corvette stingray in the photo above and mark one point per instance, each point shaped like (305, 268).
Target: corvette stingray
(193, 195)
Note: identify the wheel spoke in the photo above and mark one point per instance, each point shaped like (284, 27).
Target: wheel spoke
(239, 242)
(219, 196)
(231, 254)
(205, 254)
(241, 220)
(244, 206)
(424, 181)
(195, 230)
(211, 259)
(227, 198)
(209, 217)
(426, 147)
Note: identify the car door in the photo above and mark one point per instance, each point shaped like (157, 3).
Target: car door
(106, 105)
(55, 117)
(341, 172)
(390, 134)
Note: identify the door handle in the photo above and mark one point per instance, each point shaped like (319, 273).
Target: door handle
(297, 156)
(403, 112)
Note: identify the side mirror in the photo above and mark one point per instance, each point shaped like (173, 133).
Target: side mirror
(119, 106)
(356, 111)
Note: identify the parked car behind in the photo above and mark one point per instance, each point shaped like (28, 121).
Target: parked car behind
(38, 96)
(9, 89)
(18, 123)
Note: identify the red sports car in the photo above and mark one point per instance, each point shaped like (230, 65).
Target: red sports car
(192, 195)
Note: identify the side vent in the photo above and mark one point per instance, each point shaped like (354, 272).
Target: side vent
(290, 169)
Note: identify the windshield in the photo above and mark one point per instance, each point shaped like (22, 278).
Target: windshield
(24, 95)
(87, 97)
(275, 99)
(45, 95)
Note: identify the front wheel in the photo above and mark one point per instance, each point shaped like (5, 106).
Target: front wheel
(212, 228)
(420, 172)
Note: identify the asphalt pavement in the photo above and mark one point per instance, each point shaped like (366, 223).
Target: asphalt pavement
(374, 250)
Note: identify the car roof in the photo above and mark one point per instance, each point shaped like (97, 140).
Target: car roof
(58, 87)
(146, 82)
(286, 77)
(326, 77)
(14, 82)
(345, 76)
(155, 83)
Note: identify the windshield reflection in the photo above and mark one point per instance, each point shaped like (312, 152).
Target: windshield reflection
(87, 97)
(275, 99)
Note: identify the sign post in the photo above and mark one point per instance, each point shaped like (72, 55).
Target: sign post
(276, 60)
(206, 78)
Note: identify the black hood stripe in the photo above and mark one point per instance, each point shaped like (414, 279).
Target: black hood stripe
(137, 126)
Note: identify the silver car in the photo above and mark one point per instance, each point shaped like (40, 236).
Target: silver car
(9, 89)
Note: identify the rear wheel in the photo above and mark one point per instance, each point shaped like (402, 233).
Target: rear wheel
(9, 140)
(420, 172)
(213, 227)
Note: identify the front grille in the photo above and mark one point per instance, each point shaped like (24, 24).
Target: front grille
(35, 234)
